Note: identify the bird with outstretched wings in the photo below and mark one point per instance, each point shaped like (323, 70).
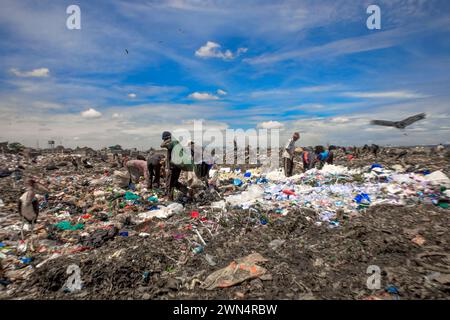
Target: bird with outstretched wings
(399, 124)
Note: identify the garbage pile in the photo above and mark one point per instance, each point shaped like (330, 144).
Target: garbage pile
(251, 234)
(336, 191)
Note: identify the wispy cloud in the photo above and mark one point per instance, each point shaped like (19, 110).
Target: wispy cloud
(358, 44)
(385, 94)
(270, 125)
(203, 96)
(35, 73)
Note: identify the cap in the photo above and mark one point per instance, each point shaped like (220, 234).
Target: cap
(166, 135)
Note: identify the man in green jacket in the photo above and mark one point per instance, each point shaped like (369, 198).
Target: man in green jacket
(177, 160)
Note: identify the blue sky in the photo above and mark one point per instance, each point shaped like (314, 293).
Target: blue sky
(308, 66)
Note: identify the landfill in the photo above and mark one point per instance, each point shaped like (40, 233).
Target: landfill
(252, 234)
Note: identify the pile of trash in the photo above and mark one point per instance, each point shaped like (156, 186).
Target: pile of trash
(131, 242)
(337, 191)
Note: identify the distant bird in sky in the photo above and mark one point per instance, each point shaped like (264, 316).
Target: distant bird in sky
(399, 124)
(126, 51)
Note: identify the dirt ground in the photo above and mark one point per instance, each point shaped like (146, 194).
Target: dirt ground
(312, 262)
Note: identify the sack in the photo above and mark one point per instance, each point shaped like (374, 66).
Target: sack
(121, 179)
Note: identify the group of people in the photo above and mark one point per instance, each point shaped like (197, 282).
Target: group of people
(310, 157)
(192, 160)
(157, 165)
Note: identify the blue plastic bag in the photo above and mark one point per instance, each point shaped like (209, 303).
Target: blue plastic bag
(362, 198)
(376, 165)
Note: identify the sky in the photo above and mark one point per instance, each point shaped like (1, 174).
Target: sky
(138, 68)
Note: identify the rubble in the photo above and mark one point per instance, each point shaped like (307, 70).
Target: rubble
(314, 233)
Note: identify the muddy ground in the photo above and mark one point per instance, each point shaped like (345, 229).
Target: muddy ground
(313, 262)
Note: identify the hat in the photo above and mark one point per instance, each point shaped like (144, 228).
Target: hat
(166, 135)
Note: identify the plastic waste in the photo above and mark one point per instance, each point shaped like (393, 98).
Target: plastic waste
(362, 199)
(162, 212)
(210, 260)
(66, 225)
(253, 193)
(175, 208)
(131, 196)
(26, 260)
(194, 214)
(437, 178)
(228, 276)
(198, 249)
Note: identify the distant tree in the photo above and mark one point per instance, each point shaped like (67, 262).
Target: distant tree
(116, 147)
(16, 146)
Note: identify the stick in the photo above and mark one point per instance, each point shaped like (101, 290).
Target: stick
(200, 237)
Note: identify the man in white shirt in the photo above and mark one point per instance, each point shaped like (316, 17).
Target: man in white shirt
(288, 155)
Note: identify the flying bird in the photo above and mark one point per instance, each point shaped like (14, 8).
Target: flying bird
(399, 124)
(126, 51)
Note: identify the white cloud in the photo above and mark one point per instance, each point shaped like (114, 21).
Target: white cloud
(221, 92)
(116, 116)
(38, 73)
(132, 95)
(76, 138)
(44, 105)
(212, 50)
(270, 125)
(91, 114)
(203, 96)
(385, 94)
(241, 50)
(340, 119)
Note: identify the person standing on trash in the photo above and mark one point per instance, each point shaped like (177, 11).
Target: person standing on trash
(154, 163)
(28, 206)
(308, 158)
(328, 156)
(137, 169)
(320, 156)
(375, 149)
(202, 163)
(173, 166)
(288, 155)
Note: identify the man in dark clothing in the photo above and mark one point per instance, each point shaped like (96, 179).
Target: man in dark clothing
(330, 158)
(173, 169)
(154, 163)
(288, 155)
(375, 148)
